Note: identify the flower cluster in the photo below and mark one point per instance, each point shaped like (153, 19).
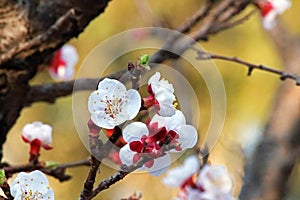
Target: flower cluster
(63, 63)
(212, 182)
(149, 139)
(270, 9)
(111, 105)
(33, 185)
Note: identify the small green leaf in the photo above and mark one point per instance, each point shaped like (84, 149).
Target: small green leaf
(144, 59)
(2, 177)
(50, 164)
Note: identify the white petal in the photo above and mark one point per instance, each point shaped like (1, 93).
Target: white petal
(188, 136)
(193, 194)
(160, 165)
(192, 164)
(35, 181)
(95, 101)
(97, 107)
(154, 78)
(161, 86)
(69, 55)
(111, 86)
(177, 176)
(269, 21)
(172, 122)
(49, 194)
(164, 95)
(157, 84)
(215, 180)
(46, 135)
(133, 104)
(38, 130)
(99, 118)
(176, 120)
(135, 131)
(126, 155)
(15, 187)
(166, 110)
(281, 5)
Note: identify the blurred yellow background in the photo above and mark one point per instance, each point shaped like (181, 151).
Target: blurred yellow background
(249, 99)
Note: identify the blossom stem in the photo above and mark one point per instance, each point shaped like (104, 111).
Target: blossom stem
(99, 152)
(135, 77)
(34, 158)
(125, 170)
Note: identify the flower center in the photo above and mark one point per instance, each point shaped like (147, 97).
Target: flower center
(152, 145)
(30, 195)
(114, 106)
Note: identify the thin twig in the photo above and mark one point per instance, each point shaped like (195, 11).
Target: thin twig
(57, 171)
(50, 91)
(230, 24)
(208, 13)
(98, 155)
(283, 75)
(195, 18)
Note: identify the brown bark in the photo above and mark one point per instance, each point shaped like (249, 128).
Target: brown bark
(30, 31)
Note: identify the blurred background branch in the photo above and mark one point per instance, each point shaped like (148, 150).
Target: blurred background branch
(276, 155)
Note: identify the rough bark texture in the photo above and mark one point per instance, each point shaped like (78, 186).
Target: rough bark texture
(30, 30)
(278, 152)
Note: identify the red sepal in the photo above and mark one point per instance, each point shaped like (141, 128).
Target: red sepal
(25, 139)
(93, 128)
(149, 164)
(56, 62)
(265, 7)
(35, 147)
(47, 147)
(136, 146)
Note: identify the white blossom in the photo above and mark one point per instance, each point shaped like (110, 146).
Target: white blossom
(111, 104)
(38, 131)
(177, 176)
(216, 183)
(63, 63)
(31, 186)
(161, 96)
(271, 9)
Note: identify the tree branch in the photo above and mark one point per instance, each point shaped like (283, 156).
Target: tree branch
(208, 13)
(125, 170)
(30, 32)
(99, 151)
(57, 171)
(41, 38)
(283, 75)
